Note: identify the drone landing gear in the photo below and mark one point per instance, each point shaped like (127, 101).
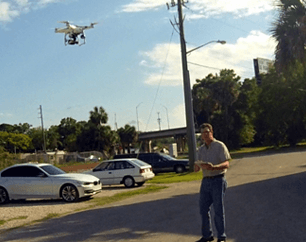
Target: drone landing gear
(74, 40)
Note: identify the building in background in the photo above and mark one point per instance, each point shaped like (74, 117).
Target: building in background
(261, 66)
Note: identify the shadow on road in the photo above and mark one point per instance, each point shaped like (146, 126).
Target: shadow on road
(270, 210)
(40, 202)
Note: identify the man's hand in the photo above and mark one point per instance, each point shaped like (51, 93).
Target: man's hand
(208, 166)
(196, 168)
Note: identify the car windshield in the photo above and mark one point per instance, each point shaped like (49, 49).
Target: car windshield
(52, 170)
(168, 157)
(140, 162)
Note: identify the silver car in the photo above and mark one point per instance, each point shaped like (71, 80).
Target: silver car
(25, 181)
(123, 171)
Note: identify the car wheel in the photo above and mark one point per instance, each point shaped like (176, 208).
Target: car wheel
(128, 182)
(140, 183)
(69, 193)
(179, 169)
(4, 198)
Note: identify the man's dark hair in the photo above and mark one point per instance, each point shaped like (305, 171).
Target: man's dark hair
(206, 125)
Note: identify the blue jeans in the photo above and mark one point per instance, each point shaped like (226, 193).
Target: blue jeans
(212, 193)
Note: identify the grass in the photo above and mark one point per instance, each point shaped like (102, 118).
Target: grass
(101, 201)
(17, 218)
(248, 151)
(172, 177)
(49, 216)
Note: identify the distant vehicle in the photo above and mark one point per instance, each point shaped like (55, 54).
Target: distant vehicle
(123, 171)
(160, 162)
(25, 181)
(92, 158)
(73, 32)
(75, 157)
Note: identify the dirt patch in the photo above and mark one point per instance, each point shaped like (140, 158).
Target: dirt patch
(79, 168)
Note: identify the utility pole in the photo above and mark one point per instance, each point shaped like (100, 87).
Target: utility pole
(158, 120)
(187, 89)
(137, 115)
(116, 126)
(42, 127)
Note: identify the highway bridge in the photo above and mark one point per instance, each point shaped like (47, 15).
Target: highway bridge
(179, 134)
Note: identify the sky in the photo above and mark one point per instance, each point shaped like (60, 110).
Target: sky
(131, 62)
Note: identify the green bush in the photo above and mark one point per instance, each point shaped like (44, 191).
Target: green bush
(7, 159)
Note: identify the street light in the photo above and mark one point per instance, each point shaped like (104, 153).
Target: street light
(223, 42)
(137, 115)
(167, 116)
(187, 91)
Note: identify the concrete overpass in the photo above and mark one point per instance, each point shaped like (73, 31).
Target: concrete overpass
(179, 134)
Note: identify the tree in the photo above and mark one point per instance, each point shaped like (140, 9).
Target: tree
(214, 97)
(37, 140)
(98, 116)
(14, 142)
(68, 131)
(53, 138)
(289, 30)
(246, 108)
(18, 129)
(128, 136)
(282, 113)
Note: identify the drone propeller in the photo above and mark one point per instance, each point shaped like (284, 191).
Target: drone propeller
(64, 22)
(92, 24)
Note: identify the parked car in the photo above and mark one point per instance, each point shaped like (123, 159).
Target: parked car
(160, 162)
(123, 171)
(92, 158)
(30, 180)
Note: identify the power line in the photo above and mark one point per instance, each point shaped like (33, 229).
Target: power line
(160, 80)
(204, 66)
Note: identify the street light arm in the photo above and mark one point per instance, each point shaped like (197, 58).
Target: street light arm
(213, 41)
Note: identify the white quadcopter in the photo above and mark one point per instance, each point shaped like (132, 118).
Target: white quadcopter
(73, 32)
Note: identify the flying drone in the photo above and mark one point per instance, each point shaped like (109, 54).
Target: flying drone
(74, 33)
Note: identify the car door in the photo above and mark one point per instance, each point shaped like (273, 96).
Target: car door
(159, 163)
(14, 182)
(37, 183)
(28, 181)
(122, 169)
(105, 172)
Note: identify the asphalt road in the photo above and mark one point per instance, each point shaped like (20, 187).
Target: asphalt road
(265, 201)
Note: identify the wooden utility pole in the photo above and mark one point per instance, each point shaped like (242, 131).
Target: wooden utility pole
(187, 89)
(42, 128)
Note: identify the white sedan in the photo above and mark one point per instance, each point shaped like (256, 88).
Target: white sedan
(123, 171)
(25, 181)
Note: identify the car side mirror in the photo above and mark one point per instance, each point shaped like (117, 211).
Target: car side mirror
(42, 175)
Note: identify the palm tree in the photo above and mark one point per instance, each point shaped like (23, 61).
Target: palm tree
(289, 30)
(128, 136)
(98, 116)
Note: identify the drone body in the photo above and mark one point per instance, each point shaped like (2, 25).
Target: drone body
(74, 32)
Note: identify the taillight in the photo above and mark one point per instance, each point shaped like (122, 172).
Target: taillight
(142, 171)
(151, 169)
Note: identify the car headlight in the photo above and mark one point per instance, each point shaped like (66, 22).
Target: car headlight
(83, 183)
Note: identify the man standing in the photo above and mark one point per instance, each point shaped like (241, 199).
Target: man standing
(213, 159)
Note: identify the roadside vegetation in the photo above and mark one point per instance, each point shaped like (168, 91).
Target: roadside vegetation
(17, 218)
(101, 201)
